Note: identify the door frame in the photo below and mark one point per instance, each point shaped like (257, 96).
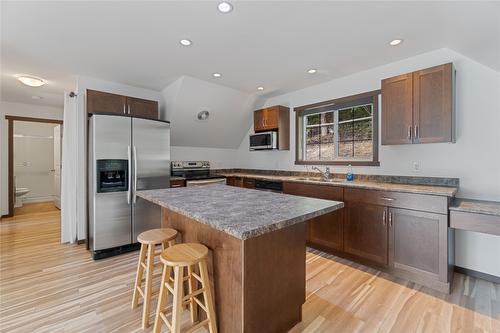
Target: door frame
(10, 143)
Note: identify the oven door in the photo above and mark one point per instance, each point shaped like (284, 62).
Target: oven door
(200, 182)
(265, 140)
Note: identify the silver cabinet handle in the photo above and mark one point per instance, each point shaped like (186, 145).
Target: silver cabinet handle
(129, 109)
(387, 199)
(390, 219)
(416, 132)
(135, 175)
(129, 158)
(409, 132)
(175, 185)
(384, 215)
(124, 109)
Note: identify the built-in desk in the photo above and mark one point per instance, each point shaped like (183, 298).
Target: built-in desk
(475, 215)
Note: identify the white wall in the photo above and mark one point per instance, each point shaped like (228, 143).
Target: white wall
(24, 110)
(34, 159)
(474, 158)
(219, 158)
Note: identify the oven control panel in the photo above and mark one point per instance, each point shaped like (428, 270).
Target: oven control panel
(190, 165)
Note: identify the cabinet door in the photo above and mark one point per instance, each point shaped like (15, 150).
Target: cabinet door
(271, 118)
(248, 183)
(366, 232)
(326, 230)
(433, 105)
(418, 242)
(103, 102)
(142, 108)
(397, 108)
(258, 121)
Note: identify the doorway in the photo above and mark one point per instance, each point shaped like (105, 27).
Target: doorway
(34, 159)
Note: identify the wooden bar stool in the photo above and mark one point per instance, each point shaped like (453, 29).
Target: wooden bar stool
(179, 257)
(149, 240)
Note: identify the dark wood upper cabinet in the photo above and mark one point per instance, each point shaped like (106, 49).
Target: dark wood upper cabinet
(274, 118)
(418, 107)
(103, 102)
(142, 108)
(397, 109)
(433, 116)
(366, 232)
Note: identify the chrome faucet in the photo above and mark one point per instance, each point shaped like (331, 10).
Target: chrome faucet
(324, 175)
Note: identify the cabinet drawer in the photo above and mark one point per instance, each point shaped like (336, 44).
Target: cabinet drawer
(423, 202)
(248, 183)
(326, 192)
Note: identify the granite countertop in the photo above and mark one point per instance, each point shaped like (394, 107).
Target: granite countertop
(476, 206)
(381, 186)
(242, 213)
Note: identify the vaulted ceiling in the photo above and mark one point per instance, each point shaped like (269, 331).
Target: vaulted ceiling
(266, 43)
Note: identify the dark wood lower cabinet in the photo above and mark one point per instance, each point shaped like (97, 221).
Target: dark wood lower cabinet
(366, 232)
(327, 231)
(418, 244)
(248, 183)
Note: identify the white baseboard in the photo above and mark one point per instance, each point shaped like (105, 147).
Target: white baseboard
(37, 199)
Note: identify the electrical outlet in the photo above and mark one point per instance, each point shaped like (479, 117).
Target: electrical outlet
(416, 166)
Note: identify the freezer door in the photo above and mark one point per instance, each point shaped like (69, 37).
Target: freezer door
(151, 155)
(110, 213)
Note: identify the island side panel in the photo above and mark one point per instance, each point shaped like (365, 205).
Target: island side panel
(274, 279)
(225, 267)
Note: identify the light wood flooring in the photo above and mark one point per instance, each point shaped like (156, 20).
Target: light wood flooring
(49, 287)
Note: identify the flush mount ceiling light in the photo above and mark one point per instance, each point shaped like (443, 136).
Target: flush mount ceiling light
(203, 115)
(30, 80)
(36, 97)
(225, 7)
(260, 88)
(216, 74)
(395, 42)
(185, 42)
(311, 71)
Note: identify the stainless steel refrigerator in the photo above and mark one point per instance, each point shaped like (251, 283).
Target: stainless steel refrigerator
(125, 155)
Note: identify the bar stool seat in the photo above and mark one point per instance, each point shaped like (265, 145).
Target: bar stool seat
(149, 240)
(177, 258)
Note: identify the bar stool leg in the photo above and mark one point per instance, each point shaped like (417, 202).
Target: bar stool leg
(192, 286)
(207, 296)
(177, 303)
(138, 277)
(162, 298)
(149, 282)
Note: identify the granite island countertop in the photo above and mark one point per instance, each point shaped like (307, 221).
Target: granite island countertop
(240, 212)
(448, 191)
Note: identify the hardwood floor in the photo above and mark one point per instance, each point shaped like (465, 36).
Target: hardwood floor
(49, 287)
(35, 207)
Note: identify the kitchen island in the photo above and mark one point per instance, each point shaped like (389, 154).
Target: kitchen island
(258, 248)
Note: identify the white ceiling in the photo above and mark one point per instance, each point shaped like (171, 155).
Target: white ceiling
(268, 43)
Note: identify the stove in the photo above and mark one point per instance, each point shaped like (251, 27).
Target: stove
(196, 173)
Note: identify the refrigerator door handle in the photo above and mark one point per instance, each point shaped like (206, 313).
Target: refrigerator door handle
(135, 174)
(129, 187)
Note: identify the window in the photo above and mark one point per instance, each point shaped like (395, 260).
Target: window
(340, 131)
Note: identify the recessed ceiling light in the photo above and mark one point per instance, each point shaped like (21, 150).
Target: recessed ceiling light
(185, 42)
(36, 97)
(260, 88)
(395, 42)
(31, 81)
(311, 71)
(225, 7)
(216, 74)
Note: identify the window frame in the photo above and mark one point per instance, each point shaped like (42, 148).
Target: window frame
(299, 127)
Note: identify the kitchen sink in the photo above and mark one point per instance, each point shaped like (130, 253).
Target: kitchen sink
(319, 180)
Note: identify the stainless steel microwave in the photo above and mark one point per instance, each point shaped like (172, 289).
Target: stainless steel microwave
(264, 140)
